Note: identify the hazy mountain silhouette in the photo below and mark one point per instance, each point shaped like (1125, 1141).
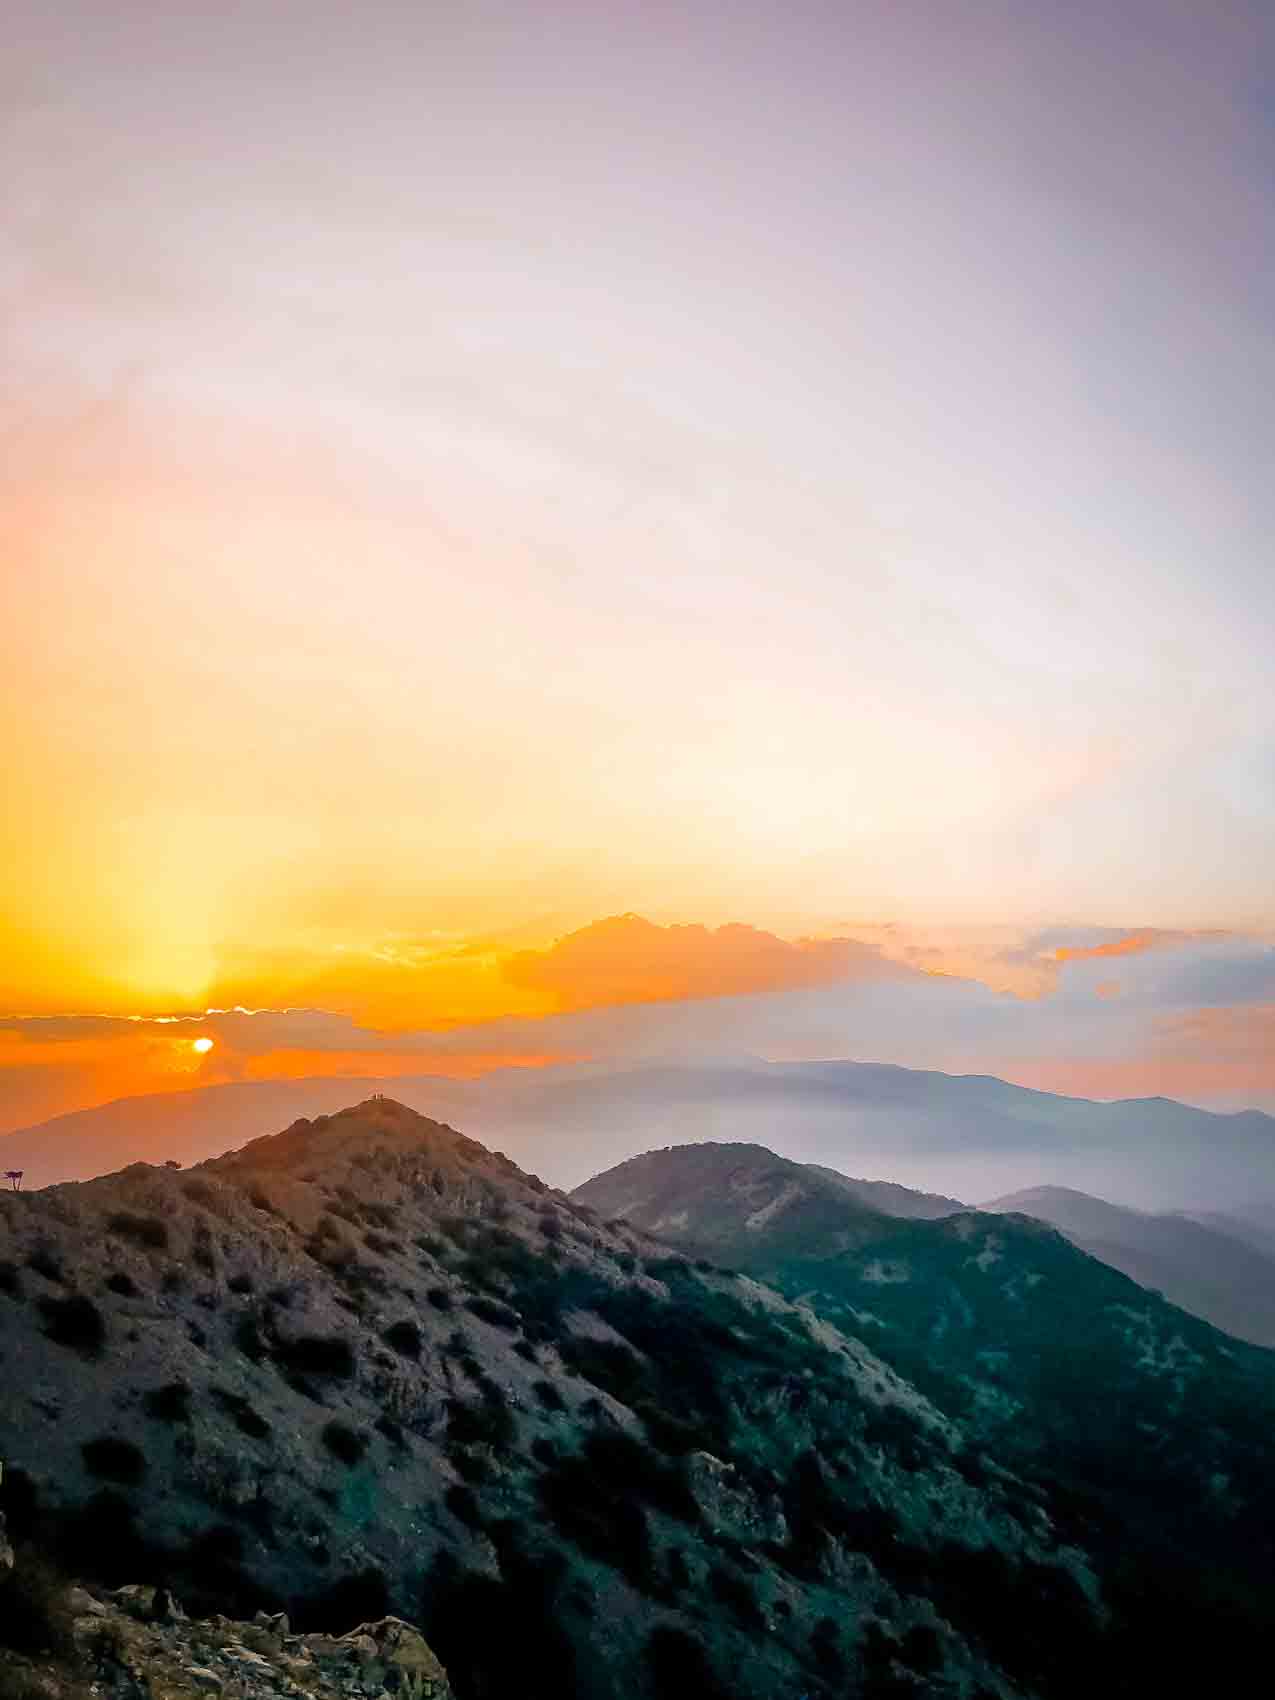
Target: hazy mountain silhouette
(959, 1135)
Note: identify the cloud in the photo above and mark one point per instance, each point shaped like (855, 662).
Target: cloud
(1132, 944)
(626, 959)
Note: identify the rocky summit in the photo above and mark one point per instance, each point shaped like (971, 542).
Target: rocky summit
(367, 1372)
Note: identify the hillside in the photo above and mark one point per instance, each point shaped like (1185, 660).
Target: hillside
(1211, 1267)
(1157, 1429)
(366, 1366)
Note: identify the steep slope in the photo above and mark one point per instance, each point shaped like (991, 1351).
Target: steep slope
(1207, 1267)
(971, 1136)
(367, 1365)
(1158, 1431)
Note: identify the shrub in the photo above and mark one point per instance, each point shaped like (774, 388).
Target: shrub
(491, 1310)
(10, 1280)
(392, 1431)
(679, 1665)
(363, 1597)
(485, 1424)
(548, 1395)
(316, 1354)
(34, 1614)
(404, 1337)
(594, 1500)
(122, 1284)
(246, 1420)
(114, 1460)
(736, 1595)
(45, 1263)
(462, 1502)
(241, 1284)
(382, 1246)
(607, 1364)
(151, 1232)
(343, 1442)
(169, 1404)
(75, 1322)
(440, 1298)
(248, 1339)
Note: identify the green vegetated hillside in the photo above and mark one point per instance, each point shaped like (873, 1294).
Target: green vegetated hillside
(366, 1364)
(1150, 1434)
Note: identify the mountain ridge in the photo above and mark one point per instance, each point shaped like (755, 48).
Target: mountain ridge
(964, 1136)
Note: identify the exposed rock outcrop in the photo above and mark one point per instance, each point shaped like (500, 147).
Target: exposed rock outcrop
(136, 1641)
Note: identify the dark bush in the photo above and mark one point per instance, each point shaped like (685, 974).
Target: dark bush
(45, 1263)
(361, 1598)
(404, 1337)
(607, 1364)
(241, 1284)
(148, 1231)
(75, 1322)
(922, 1649)
(122, 1284)
(10, 1280)
(491, 1310)
(440, 1298)
(382, 1246)
(548, 1396)
(462, 1502)
(248, 1339)
(114, 1460)
(737, 1596)
(246, 1420)
(169, 1404)
(484, 1424)
(679, 1665)
(34, 1614)
(392, 1431)
(316, 1354)
(343, 1442)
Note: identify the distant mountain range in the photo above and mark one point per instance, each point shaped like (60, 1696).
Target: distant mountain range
(965, 1136)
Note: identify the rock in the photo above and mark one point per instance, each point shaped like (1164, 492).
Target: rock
(83, 1604)
(202, 1677)
(411, 1667)
(137, 1599)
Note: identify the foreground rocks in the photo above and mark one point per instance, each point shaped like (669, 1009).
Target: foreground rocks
(136, 1643)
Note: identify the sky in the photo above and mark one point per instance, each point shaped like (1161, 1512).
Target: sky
(470, 472)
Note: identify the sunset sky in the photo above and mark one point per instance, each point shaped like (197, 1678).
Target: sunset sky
(472, 472)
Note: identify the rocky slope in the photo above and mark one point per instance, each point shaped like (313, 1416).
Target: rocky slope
(366, 1366)
(1156, 1430)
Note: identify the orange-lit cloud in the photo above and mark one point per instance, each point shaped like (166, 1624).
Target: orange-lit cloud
(1133, 945)
(625, 959)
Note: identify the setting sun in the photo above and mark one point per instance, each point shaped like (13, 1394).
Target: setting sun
(203, 1046)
